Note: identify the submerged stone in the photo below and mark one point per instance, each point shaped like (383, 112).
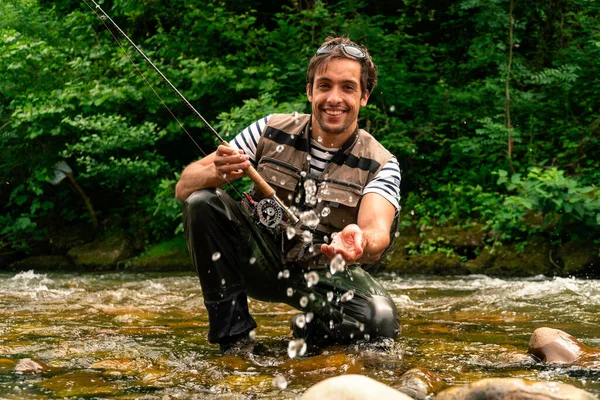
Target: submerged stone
(31, 366)
(420, 383)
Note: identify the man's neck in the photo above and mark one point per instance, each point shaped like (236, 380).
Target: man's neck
(331, 140)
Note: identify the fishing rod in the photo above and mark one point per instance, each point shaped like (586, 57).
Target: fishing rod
(271, 208)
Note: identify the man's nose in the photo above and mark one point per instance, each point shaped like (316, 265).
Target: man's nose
(335, 95)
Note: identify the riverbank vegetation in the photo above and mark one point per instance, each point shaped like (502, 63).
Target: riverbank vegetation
(491, 107)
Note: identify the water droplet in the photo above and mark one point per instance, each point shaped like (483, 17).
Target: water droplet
(280, 382)
(252, 335)
(330, 324)
(279, 148)
(310, 219)
(290, 292)
(320, 139)
(296, 348)
(312, 297)
(216, 255)
(367, 337)
(280, 275)
(303, 301)
(397, 234)
(310, 187)
(223, 281)
(290, 232)
(361, 327)
(337, 264)
(308, 157)
(300, 321)
(252, 260)
(329, 296)
(325, 212)
(412, 212)
(348, 295)
(350, 198)
(309, 317)
(286, 273)
(392, 108)
(312, 278)
(307, 236)
(303, 174)
(295, 116)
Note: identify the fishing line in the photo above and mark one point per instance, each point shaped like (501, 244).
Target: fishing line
(271, 201)
(102, 18)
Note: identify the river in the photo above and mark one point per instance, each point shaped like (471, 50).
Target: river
(143, 336)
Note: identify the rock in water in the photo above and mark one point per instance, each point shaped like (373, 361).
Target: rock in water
(514, 389)
(553, 345)
(352, 387)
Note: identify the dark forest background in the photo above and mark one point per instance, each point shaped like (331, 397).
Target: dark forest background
(491, 106)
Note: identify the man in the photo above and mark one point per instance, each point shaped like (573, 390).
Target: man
(342, 183)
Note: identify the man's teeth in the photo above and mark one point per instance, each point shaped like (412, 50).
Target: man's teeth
(333, 112)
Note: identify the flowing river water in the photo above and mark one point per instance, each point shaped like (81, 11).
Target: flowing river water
(143, 336)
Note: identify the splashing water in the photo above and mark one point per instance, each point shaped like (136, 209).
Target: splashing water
(290, 232)
(337, 264)
(310, 219)
(325, 211)
(349, 295)
(329, 296)
(280, 382)
(310, 187)
(290, 292)
(300, 321)
(307, 236)
(279, 148)
(303, 301)
(296, 348)
(312, 278)
(216, 255)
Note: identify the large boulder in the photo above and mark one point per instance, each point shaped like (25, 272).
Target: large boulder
(556, 346)
(106, 253)
(514, 389)
(352, 387)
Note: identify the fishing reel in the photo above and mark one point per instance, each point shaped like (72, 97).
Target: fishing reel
(269, 213)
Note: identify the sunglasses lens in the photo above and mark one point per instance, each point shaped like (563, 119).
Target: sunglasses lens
(325, 49)
(354, 51)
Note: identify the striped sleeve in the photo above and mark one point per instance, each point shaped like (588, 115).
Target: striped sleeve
(247, 140)
(387, 183)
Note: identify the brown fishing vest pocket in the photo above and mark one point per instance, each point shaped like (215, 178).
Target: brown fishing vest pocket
(283, 177)
(342, 200)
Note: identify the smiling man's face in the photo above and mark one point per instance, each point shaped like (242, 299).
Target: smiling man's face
(336, 99)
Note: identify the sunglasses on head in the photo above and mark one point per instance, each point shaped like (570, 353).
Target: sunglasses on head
(350, 50)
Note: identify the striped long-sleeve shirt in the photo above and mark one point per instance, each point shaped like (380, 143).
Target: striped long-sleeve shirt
(386, 183)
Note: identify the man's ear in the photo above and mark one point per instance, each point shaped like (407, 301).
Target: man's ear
(309, 92)
(364, 99)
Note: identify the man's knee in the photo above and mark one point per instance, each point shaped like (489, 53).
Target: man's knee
(199, 203)
(385, 321)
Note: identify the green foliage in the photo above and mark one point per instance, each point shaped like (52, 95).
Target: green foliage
(565, 208)
(69, 93)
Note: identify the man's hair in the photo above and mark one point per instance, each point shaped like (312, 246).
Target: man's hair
(368, 74)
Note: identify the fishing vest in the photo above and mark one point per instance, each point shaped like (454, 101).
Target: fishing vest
(283, 160)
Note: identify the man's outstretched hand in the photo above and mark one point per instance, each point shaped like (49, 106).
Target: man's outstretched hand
(349, 243)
